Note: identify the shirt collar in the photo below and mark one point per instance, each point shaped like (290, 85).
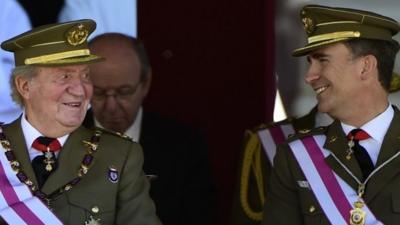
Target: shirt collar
(322, 119)
(376, 127)
(31, 133)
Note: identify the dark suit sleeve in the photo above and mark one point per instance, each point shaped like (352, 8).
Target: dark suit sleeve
(134, 204)
(282, 206)
(199, 191)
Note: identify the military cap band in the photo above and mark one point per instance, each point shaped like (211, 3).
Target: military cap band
(327, 25)
(56, 56)
(334, 35)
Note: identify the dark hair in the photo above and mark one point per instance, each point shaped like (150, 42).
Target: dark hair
(384, 52)
(137, 45)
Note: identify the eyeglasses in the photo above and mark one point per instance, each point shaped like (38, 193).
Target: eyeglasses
(121, 93)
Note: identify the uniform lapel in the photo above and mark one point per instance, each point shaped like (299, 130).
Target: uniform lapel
(390, 146)
(16, 137)
(69, 160)
(336, 142)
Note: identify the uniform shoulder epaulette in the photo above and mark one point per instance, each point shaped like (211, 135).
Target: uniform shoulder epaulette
(272, 124)
(306, 133)
(118, 134)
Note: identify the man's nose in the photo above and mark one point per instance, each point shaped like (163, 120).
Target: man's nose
(312, 74)
(77, 88)
(110, 102)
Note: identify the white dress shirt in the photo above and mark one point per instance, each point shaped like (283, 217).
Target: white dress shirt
(376, 128)
(30, 134)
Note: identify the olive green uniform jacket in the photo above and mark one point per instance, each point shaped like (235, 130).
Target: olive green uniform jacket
(124, 202)
(239, 217)
(288, 203)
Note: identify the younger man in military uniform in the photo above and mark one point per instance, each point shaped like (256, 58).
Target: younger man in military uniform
(344, 173)
(54, 171)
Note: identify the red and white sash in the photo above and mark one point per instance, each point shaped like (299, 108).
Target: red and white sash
(273, 136)
(333, 194)
(17, 204)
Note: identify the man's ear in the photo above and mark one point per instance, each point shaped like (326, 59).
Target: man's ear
(369, 66)
(147, 83)
(23, 86)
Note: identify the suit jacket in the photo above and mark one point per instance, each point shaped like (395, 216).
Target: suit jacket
(183, 191)
(239, 217)
(124, 202)
(290, 204)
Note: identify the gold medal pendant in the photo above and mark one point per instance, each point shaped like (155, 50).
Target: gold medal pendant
(48, 161)
(92, 221)
(350, 149)
(357, 215)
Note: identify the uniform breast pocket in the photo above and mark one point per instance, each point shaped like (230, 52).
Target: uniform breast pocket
(396, 202)
(87, 207)
(310, 208)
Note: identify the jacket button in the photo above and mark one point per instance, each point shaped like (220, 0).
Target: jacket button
(311, 209)
(95, 209)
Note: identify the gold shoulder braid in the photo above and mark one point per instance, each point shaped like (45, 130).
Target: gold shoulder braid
(251, 160)
(118, 134)
(91, 145)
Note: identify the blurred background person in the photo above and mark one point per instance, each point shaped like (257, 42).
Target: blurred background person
(110, 16)
(176, 156)
(10, 10)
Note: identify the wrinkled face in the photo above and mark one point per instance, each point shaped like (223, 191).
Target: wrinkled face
(335, 77)
(57, 97)
(118, 89)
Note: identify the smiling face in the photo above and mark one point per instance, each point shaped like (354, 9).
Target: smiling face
(336, 79)
(56, 99)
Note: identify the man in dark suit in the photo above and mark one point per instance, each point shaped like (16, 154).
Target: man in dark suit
(55, 171)
(176, 157)
(347, 172)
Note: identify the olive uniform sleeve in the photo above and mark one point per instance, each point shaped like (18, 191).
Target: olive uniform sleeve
(282, 206)
(134, 205)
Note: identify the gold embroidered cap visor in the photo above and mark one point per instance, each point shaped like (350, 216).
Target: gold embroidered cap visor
(327, 25)
(53, 45)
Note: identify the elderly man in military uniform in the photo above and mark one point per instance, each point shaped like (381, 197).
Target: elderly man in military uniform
(347, 172)
(54, 171)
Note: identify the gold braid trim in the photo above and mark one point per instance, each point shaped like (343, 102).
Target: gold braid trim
(251, 160)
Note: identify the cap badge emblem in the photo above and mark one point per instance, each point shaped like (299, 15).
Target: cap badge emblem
(77, 35)
(308, 24)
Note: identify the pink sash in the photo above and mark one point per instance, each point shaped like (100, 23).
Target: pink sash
(334, 195)
(17, 204)
(273, 136)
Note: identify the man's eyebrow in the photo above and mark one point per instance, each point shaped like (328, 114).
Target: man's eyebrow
(316, 55)
(69, 70)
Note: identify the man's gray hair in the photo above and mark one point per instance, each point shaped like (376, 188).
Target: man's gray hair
(28, 72)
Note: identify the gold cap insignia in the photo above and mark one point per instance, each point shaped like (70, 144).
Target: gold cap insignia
(308, 24)
(77, 35)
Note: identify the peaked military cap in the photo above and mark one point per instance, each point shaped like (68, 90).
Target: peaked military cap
(326, 25)
(53, 45)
